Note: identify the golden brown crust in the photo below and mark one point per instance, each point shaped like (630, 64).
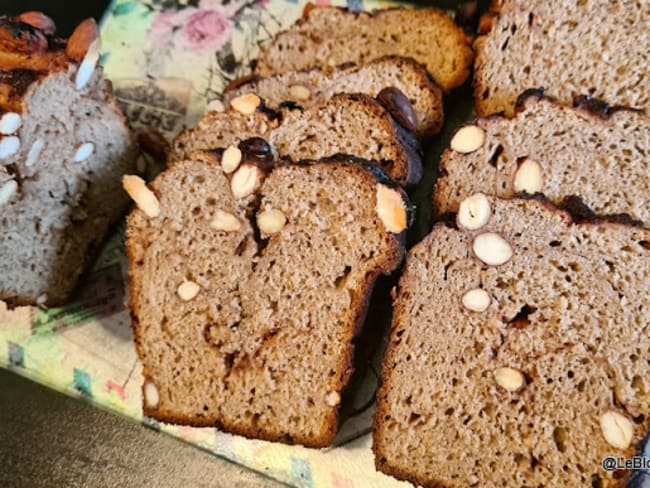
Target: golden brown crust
(462, 40)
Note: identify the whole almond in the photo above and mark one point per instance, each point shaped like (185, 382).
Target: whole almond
(529, 177)
(617, 429)
(81, 39)
(299, 92)
(188, 290)
(38, 20)
(476, 300)
(391, 209)
(150, 394)
(7, 191)
(246, 104)
(271, 221)
(143, 197)
(492, 249)
(467, 139)
(509, 379)
(474, 212)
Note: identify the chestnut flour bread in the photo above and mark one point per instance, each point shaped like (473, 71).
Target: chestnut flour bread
(518, 352)
(64, 146)
(247, 290)
(312, 87)
(345, 124)
(597, 47)
(598, 154)
(330, 36)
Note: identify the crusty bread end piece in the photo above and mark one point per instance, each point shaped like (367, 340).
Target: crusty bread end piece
(539, 382)
(330, 36)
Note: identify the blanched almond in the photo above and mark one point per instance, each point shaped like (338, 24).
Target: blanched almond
(299, 92)
(246, 104)
(271, 221)
(151, 395)
(246, 180)
(474, 212)
(10, 122)
(230, 159)
(188, 290)
(143, 197)
(509, 379)
(9, 145)
(617, 429)
(391, 209)
(88, 65)
(529, 177)
(476, 300)
(333, 398)
(492, 249)
(224, 221)
(7, 191)
(468, 139)
(83, 152)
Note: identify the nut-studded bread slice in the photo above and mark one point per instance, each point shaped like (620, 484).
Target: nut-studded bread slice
(568, 48)
(518, 353)
(64, 146)
(309, 88)
(246, 297)
(594, 152)
(351, 124)
(330, 36)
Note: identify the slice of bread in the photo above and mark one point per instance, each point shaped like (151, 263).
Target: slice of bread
(567, 48)
(245, 304)
(598, 154)
(309, 88)
(64, 147)
(526, 373)
(330, 36)
(354, 125)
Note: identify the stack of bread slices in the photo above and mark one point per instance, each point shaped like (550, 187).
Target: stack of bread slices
(253, 256)
(519, 347)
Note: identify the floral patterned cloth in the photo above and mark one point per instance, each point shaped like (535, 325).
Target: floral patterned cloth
(167, 60)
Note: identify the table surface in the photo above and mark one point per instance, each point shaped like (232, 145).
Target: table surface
(50, 440)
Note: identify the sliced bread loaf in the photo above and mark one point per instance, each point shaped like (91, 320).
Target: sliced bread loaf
(569, 48)
(598, 154)
(330, 36)
(64, 146)
(518, 353)
(309, 88)
(345, 124)
(246, 297)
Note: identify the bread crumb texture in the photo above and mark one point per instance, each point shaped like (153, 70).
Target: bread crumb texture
(263, 345)
(540, 386)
